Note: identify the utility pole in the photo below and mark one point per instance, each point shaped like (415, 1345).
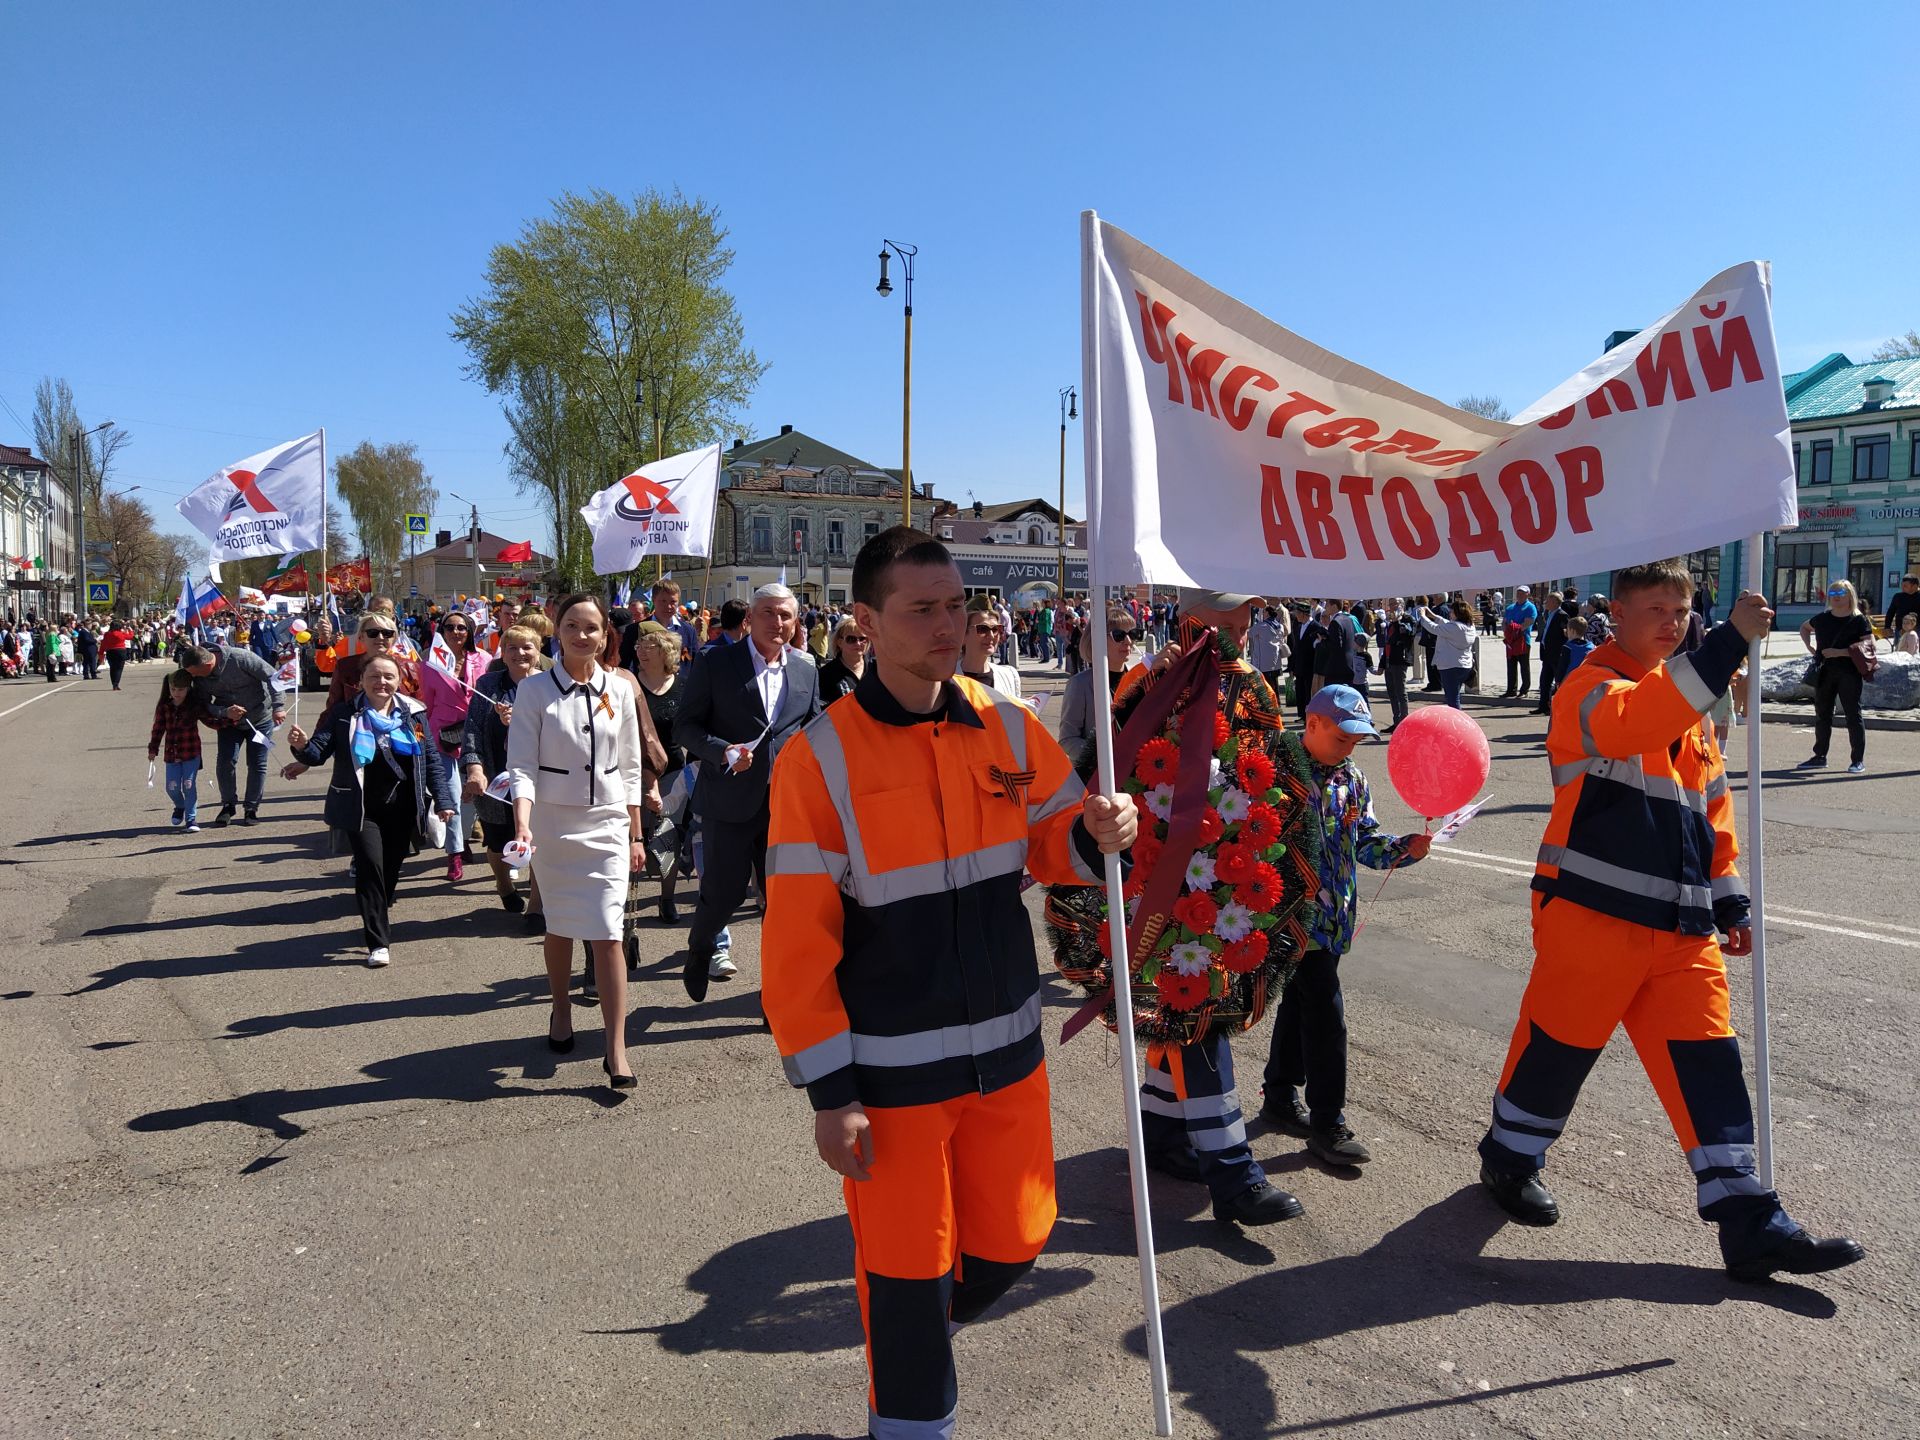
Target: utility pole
(474, 531)
(1069, 410)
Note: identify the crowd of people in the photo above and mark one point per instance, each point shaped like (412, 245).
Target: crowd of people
(879, 777)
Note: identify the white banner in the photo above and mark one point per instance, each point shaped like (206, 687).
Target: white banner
(1233, 454)
(665, 508)
(266, 504)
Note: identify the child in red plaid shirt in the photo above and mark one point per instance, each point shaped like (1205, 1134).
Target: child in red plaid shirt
(174, 725)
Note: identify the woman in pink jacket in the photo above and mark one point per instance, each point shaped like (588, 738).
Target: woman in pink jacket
(449, 669)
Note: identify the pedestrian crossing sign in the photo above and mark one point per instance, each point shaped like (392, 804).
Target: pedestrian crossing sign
(100, 592)
(416, 524)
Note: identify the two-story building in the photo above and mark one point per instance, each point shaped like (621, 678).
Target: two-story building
(36, 519)
(1856, 455)
(1014, 550)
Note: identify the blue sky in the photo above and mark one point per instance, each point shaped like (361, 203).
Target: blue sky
(228, 224)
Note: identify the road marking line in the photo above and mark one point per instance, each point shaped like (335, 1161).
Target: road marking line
(1783, 914)
(41, 696)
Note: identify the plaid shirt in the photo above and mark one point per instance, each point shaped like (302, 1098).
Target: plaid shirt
(178, 726)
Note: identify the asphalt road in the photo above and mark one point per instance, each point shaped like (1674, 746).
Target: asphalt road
(249, 1188)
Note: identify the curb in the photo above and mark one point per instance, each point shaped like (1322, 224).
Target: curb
(1770, 714)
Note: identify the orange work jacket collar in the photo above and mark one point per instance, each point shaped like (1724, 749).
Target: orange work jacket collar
(873, 697)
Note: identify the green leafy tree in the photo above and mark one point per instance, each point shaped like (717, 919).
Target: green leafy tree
(608, 334)
(379, 485)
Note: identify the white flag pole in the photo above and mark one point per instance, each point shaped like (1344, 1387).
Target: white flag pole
(1116, 882)
(1757, 881)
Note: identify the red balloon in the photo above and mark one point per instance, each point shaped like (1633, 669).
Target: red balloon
(1437, 759)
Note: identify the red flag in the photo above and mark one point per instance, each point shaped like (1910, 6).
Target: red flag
(294, 580)
(519, 550)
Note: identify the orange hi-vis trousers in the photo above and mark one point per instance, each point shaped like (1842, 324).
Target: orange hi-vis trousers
(958, 1206)
(1591, 973)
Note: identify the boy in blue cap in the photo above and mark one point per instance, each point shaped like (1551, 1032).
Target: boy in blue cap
(1310, 1032)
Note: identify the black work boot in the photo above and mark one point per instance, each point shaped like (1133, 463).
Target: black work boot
(1524, 1196)
(1260, 1204)
(1285, 1113)
(1338, 1145)
(1755, 1258)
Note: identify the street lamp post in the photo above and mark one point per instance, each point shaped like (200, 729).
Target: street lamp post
(1069, 410)
(473, 540)
(80, 509)
(885, 287)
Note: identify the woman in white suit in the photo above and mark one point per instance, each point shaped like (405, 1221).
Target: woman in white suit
(577, 766)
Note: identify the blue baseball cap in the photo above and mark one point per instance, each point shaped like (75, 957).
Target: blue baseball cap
(1346, 707)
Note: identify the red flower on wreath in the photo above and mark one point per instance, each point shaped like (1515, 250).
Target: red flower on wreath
(1105, 939)
(1245, 955)
(1197, 912)
(1222, 731)
(1146, 854)
(1261, 828)
(1212, 827)
(1157, 762)
(1182, 992)
(1256, 772)
(1136, 884)
(1235, 864)
(1262, 892)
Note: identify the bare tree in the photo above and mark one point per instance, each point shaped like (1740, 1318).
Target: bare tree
(1900, 347)
(1486, 406)
(55, 422)
(135, 553)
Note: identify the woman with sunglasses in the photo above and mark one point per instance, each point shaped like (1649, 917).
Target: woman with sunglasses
(1076, 713)
(377, 635)
(846, 661)
(451, 669)
(1828, 637)
(981, 643)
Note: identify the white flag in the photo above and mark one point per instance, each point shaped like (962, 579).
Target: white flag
(440, 653)
(1232, 453)
(287, 677)
(501, 787)
(251, 596)
(266, 504)
(665, 508)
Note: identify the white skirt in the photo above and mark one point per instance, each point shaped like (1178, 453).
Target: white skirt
(580, 859)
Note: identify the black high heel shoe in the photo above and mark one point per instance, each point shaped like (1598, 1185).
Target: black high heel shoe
(619, 1082)
(559, 1047)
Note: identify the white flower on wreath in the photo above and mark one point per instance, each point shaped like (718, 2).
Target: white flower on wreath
(1133, 909)
(1190, 957)
(1234, 805)
(1234, 923)
(1160, 801)
(1216, 777)
(1200, 872)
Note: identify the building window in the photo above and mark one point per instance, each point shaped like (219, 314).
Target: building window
(1913, 557)
(1867, 570)
(1913, 460)
(946, 532)
(801, 534)
(1799, 470)
(1800, 571)
(869, 530)
(836, 537)
(1820, 463)
(761, 541)
(1870, 456)
(1035, 536)
(1704, 566)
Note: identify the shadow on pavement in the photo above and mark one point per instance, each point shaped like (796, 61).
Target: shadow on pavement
(1426, 1268)
(518, 992)
(465, 1073)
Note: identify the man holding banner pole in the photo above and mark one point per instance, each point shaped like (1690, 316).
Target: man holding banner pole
(1636, 873)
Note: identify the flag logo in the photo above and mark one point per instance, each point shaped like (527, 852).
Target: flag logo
(247, 495)
(644, 499)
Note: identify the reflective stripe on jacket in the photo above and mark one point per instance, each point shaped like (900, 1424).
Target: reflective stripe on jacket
(1642, 823)
(898, 964)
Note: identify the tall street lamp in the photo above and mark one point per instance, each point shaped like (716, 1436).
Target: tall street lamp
(1069, 410)
(885, 287)
(473, 541)
(80, 509)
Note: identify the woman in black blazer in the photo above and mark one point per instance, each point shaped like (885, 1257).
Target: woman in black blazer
(387, 778)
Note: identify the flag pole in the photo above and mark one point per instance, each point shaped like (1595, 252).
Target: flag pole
(1757, 882)
(1116, 881)
(713, 535)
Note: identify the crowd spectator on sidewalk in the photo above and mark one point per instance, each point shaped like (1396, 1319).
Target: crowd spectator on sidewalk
(848, 661)
(1518, 621)
(977, 648)
(1267, 649)
(1399, 643)
(387, 778)
(1561, 608)
(174, 741)
(234, 691)
(1078, 701)
(1904, 604)
(1829, 638)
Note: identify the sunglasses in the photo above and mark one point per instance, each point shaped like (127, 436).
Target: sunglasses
(378, 634)
(853, 639)
(988, 629)
(1126, 635)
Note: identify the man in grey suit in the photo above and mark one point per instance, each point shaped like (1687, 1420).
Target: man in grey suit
(742, 704)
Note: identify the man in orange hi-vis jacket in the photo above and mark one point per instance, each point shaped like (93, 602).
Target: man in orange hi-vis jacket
(899, 974)
(1635, 874)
